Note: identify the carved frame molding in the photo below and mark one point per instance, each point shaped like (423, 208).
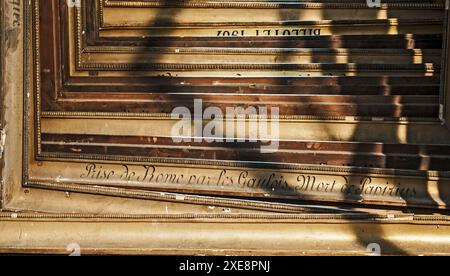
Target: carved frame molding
(66, 199)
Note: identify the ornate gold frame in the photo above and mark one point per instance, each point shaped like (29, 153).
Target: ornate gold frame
(338, 182)
(112, 220)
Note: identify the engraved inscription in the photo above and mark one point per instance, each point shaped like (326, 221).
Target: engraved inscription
(14, 24)
(270, 32)
(272, 183)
